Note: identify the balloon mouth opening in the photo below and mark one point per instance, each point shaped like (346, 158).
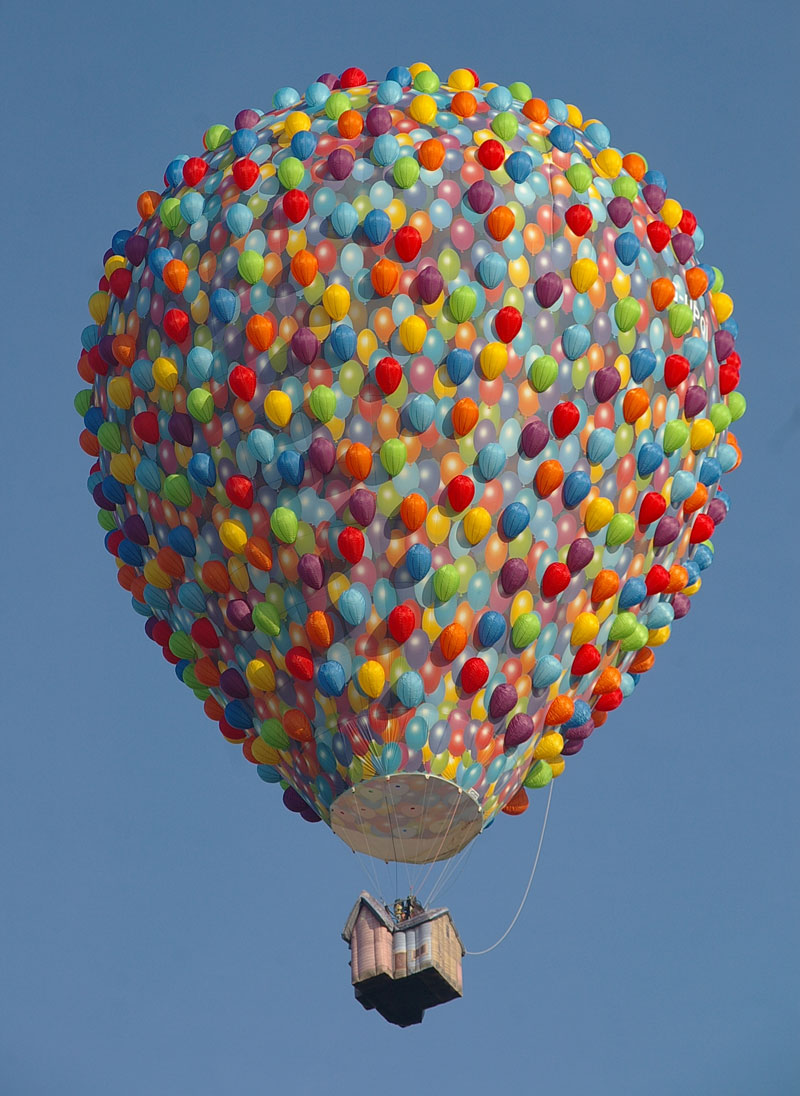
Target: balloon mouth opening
(411, 818)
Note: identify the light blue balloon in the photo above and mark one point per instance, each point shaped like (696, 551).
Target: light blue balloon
(683, 485)
(262, 445)
(148, 475)
(344, 219)
(421, 412)
(353, 606)
(576, 340)
(409, 689)
(661, 616)
(386, 149)
(546, 671)
(491, 460)
(600, 445)
(192, 205)
(192, 597)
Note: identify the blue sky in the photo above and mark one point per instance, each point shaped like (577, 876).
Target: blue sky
(166, 926)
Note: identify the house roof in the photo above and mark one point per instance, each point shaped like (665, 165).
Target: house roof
(380, 911)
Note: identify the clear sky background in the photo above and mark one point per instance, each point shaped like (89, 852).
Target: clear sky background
(166, 927)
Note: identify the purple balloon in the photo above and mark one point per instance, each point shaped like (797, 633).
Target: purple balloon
(480, 196)
(233, 684)
(378, 120)
(504, 698)
(340, 164)
(606, 383)
(724, 344)
(667, 530)
(240, 616)
(717, 511)
(683, 246)
(181, 428)
(695, 401)
(100, 499)
(362, 506)
(429, 284)
(149, 626)
(135, 529)
(330, 81)
(105, 348)
(681, 603)
(135, 249)
(311, 571)
(654, 196)
(322, 454)
(519, 730)
(513, 576)
(580, 554)
(246, 119)
(573, 746)
(548, 289)
(535, 436)
(292, 800)
(620, 210)
(580, 732)
(309, 815)
(305, 345)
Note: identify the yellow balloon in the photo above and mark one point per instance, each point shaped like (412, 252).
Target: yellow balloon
(122, 468)
(295, 123)
(609, 163)
(477, 523)
(371, 678)
(671, 213)
(98, 306)
(557, 765)
(155, 576)
(702, 434)
(240, 576)
(278, 407)
(494, 359)
(658, 636)
(599, 512)
(574, 116)
(165, 373)
(723, 306)
(522, 603)
(423, 109)
(114, 262)
(413, 330)
(336, 301)
(584, 274)
(430, 625)
(585, 629)
(461, 80)
(264, 753)
(260, 675)
(549, 747)
(621, 284)
(120, 392)
(233, 535)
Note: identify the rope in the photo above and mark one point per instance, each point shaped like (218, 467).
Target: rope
(530, 882)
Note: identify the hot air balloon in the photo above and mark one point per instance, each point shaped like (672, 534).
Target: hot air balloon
(409, 406)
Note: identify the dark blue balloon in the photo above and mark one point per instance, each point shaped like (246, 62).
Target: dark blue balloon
(692, 570)
(181, 541)
(400, 75)
(710, 471)
(581, 714)
(576, 487)
(113, 490)
(643, 362)
(459, 365)
(173, 176)
(703, 556)
(418, 561)
(724, 498)
(291, 466)
(377, 226)
(562, 137)
(130, 553)
(519, 165)
(491, 628)
(244, 141)
(514, 519)
(649, 458)
(224, 304)
(627, 247)
(331, 678)
(732, 326)
(342, 750)
(656, 178)
(180, 667)
(158, 259)
(93, 419)
(633, 592)
(202, 468)
(237, 715)
(343, 341)
(119, 239)
(303, 144)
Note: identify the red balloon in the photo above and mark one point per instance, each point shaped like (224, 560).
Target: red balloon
(659, 235)
(245, 173)
(113, 541)
(474, 675)
(555, 580)
(702, 529)
(566, 417)
(586, 660)
(676, 370)
(687, 223)
(407, 243)
(651, 508)
(239, 490)
(146, 426)
(193, 170)
(162, 633)
(507, 323)
(657, 579)
(351, 544)
(242, 382)
(401, 623)
(353, 78)
(299, 663)
(491, 155)
(579, 218)
(120, 283)
(609, 701)
(460, 493)
(388, 374)
(728, 378)
(176, 325)
(295, 205)
(204, 634)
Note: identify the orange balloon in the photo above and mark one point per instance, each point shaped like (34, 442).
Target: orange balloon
(297, 726)
(697, 499)
(465, 416)
(350, 124)
(213, 708)
(258, 553)
(635, 404)
(319, 628)
(147, 203)
(88, 441)
(206, 672)
(500, 222)
(642, 662)
(304, 267)
(533, 238)
(413, 511)
(678, 577)
(496, 552)
(260, 331)
(431, 154)
(607, 682)
(174, 275)
(549, 477)
(634, 165)
(559, 711)
(215, 576)
(384, 276)
(452, 641)
(358, 461)
(536, 110)
(518, 803)
(170, 562)
(696, 282)
(124, 349)
(464, 104)
(663, 293)
(605, 585)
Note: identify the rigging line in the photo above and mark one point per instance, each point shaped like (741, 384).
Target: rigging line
(366, 841)
(399, 833)
(428, 779)
(453, 871)
(441, 844)
(485, 951)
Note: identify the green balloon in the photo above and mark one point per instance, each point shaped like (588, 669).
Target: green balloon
(284, 524)
(627, 313)
(291, 172)
(200, 404)
(202, 694)
(721, 417)
(106, 520)
(521, 91)
(267, 619)
(579, 177)
(109, 437)
(539, 775)
(462, 303)
(445, 582)
(322, 402)
(525, 630)
(170, 213)
(737, 405)
(274, 735)
(543, 372)
(182, 646)
(636, 639)
(625, 187)
(680, 319)
(505, 125)
(190, 678)
(215, 136)
(427, 82)
(251, 264)
(177, 490)
(675, 434)
(393, 456)
(406, 172)
(336, 104)
(622, 626)
(619, 529)
(83, 401)
(439, 763)
(719, 280)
